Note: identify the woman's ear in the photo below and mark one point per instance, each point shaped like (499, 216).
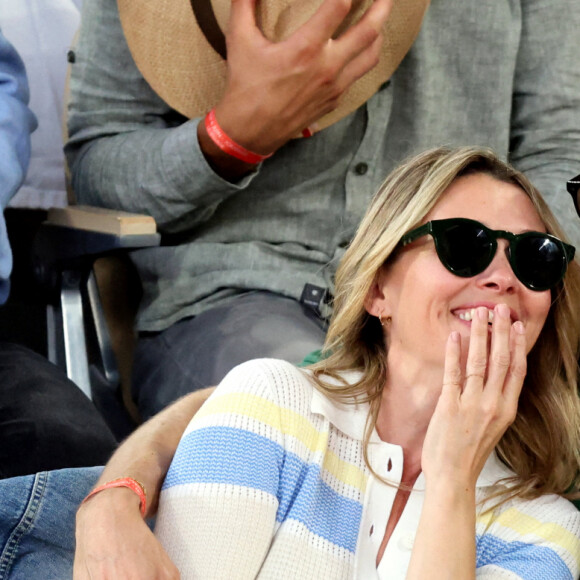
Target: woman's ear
(376, 300)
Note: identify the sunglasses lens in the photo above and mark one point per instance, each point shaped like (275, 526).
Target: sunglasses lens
(539, 261)
(465, 248)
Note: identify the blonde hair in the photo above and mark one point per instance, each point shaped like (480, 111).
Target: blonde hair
(542, 446)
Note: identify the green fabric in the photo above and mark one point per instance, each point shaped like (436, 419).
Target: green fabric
(311, 358)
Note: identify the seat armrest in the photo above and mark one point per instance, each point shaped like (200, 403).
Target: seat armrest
(64, 244)
(58, 247)
(79, 337)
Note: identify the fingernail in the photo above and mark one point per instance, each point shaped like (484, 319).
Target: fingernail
(503, 311)
(482, 313)
(519, 327)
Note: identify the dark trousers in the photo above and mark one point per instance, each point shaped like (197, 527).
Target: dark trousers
(46, 422)
(198, 352)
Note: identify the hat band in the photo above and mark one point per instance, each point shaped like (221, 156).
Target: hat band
(208, 24)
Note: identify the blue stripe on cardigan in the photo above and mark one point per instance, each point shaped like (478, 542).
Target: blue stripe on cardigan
(526, 560)
(238, 457)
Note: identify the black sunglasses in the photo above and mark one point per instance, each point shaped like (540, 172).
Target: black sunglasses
(573, 185)
(466, 248)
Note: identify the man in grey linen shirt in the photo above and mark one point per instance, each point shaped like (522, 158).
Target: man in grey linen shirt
(240, 246)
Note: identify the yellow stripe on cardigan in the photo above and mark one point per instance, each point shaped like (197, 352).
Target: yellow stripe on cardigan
(292, 424)
(524, 524)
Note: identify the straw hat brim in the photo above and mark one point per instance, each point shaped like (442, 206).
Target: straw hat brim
(176, 59)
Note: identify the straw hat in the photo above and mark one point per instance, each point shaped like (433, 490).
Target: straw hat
(176, 45)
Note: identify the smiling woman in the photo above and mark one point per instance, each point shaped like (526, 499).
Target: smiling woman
(434, 280)
(438, 436)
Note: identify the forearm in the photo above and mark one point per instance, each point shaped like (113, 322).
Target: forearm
(112, 539)
(444, 547)
(147, 453)
(127, 148)
(153, 170)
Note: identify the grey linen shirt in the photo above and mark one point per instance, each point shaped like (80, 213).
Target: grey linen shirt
(503, 74)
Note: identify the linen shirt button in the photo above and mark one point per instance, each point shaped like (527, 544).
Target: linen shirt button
(361, 168)
(406, 541)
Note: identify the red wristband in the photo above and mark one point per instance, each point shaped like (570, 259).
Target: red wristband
(228, 145)
(129, 482)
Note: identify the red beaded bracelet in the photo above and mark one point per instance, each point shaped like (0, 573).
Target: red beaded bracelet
(228, 145)
(129, 482)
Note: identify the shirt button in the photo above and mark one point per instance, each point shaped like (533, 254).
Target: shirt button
(406, 541)
(361, 168)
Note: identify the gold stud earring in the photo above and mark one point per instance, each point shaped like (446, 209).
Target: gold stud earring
(386, 322)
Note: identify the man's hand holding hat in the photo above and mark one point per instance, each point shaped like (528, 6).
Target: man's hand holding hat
(285, 66)
(276, 89)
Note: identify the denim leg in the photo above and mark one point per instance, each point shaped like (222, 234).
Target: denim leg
(37, 521)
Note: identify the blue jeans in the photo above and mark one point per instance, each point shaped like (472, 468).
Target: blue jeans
(37, 522)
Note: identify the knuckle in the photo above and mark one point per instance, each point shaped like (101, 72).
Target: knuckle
(369, 35)
(454, 376)
(327, 79)
(343, 7)
(489, 409)
(515, 377)
(335, 95)
(305, 50)
(508, 416)
(501, 359)
(325, 67)
(511, 415)
(331, 105)
(330, 86)
(519, 369)
(370, 59)
(477, 365)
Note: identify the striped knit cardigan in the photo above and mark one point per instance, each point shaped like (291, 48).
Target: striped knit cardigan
(269, 481)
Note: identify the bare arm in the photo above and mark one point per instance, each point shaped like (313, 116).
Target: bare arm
(113, 540)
